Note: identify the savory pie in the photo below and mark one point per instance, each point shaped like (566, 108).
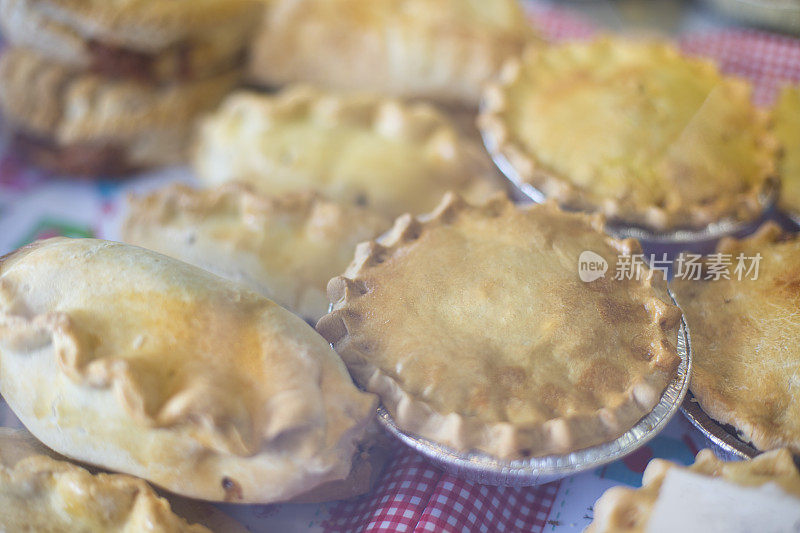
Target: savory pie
(146, 365)
(634, 130)
(286, 247)
(40, 493)
(746, 360)
(355, 148)
(147, 41)
(722, 486)
(82, 123)
(787, 129)
(443, 50)
(474, 328)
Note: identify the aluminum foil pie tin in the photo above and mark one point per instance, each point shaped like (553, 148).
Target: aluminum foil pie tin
(485, 469)
(732, 447)
(710, 233)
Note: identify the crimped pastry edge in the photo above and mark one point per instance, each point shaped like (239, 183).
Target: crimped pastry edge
(501, 143)
(501, 439)
(624, 509)
(716, 406)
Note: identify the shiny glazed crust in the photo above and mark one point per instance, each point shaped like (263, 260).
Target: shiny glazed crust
(40, 493)
(626, 510)
(44, 99)
(644, 135)
(364, 149)
(744, 341)
(495, 288)
(285, 247)
(149, 366)
(443, 50)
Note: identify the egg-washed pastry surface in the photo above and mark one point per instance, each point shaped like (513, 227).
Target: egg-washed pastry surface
(723, 488)
(40, 493)
(144, 40)
(82, 123)
(473, 327)
(146, 365)
(437, 49)
(286, 247)
(355, 148)
(634, 130)
(746, 359)
(787, 128)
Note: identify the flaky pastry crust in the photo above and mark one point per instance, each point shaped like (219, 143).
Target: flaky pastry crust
(286, 247)
(149, 366)
(787, 129)
(633, 130)
(746, 360)
(443, 50)
(40, 493)
(622, 509)
(472, 326)
(44, 99)
(356, 148)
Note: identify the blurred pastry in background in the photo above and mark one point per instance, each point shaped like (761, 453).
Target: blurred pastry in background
(89, 88)
(285, 247)
(146, 365)
(356, 148)
(787, 128)
(442, 50)
(85, 124)
(634, 130)
(762, 494)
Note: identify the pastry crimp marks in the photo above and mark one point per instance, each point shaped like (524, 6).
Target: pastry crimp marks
(461, 374)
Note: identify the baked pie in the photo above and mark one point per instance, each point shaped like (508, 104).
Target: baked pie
(634, 130)
(146, 365)
(724, 496)
(152, 42)
(443, 50)
(746, 360)
(286, 247)
(474, 328)
(355, 148)
(787, 129)
(86, 124)
(40, 493)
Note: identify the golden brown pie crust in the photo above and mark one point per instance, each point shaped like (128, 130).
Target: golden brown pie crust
(627, 510)
(746, 360)
(473, 327)
(633, 130)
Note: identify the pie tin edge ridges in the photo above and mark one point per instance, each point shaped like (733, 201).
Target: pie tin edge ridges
(712, 232)
(731, 446)
(487, 470)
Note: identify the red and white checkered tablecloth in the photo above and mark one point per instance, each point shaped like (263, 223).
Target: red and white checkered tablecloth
(412, 495)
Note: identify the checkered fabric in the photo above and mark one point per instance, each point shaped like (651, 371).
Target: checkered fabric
(415, 496)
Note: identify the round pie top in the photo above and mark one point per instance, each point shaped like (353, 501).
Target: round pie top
(746, 360)
(474, 328)
(787, 129)
(355, 148)
(622, 509)
(286, 247)
(634, 130)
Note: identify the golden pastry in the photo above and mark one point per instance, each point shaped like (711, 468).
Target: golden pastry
(634, 130)
(146, 365)
(355, 148)
(787, 128)
(474, 328)
(746, 360)
(285, 247)
(724, 491)
(436, 49)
